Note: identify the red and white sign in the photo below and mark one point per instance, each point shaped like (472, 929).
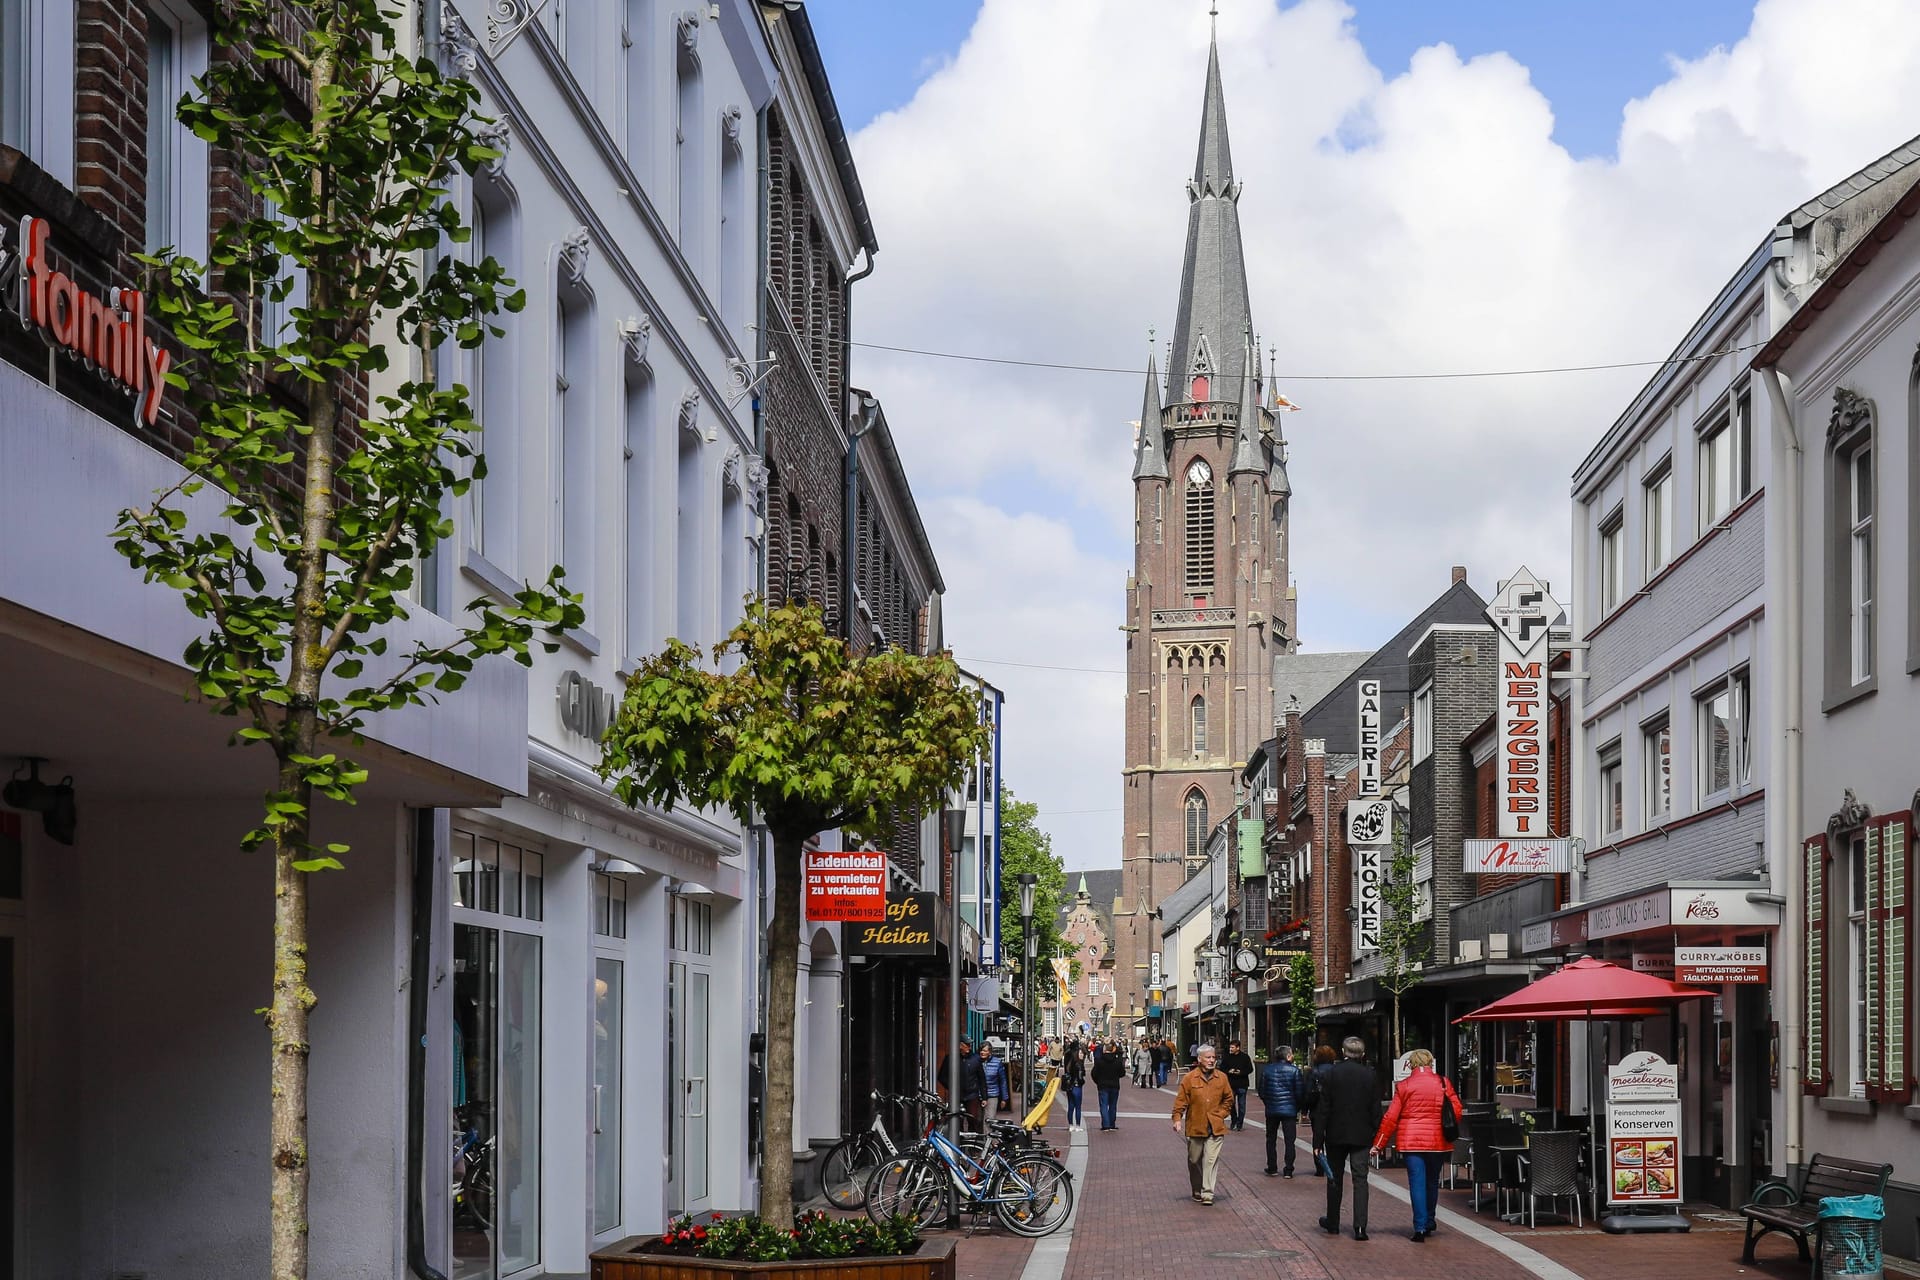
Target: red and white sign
(1712, 966)
(1522, 611)
(109, 337)
(848, 887)
(1516, 857)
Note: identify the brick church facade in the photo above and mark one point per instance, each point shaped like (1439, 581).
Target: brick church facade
(1209, 602)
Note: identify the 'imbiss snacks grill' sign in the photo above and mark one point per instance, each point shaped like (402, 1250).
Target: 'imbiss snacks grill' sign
(106, 335)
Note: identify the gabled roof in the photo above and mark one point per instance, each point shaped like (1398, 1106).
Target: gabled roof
(1308, 677)
(820, 89)
(1335, 718)
(1184, 901)
(1855, 184)
(1101, 887)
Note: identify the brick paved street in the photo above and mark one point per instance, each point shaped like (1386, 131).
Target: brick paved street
(1135, 1219)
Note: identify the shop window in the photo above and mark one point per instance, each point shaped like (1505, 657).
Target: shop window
(691, 924)
(609, 905)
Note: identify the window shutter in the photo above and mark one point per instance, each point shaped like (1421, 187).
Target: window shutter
(1814, 867)
(1874, 1073)
(1888, 912)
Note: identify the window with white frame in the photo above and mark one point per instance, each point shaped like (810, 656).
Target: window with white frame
(1198, 714)
(1423, 722)
(1196, 814)
(1860, 562)
(176, 179)
(282, 294)
(37, 82)
(1613, 562)
(639, 468)
(1726, 468)
(1612, 790)
(1725, 762)
(493, 523)
(573, 450)
(688, 140)
(1658, 500)
(1656, 768)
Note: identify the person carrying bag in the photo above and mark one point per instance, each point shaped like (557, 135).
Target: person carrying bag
(1422, 1123)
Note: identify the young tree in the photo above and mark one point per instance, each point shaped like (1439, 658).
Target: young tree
(1025, 849)
(1404, 940)
(327, 498)
(1300, 1008)
(802, 736)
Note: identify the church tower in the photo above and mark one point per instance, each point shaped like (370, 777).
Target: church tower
(1209, 602)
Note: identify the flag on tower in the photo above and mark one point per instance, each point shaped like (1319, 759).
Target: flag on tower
(1282, 404)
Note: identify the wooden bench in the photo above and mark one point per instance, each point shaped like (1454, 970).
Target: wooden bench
(1776, 1206)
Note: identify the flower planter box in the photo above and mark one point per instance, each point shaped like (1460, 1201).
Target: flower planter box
(628, 1260)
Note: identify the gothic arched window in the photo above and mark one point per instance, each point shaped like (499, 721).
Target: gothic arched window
(1196, 825)
(1197, 713)
(1200, 521)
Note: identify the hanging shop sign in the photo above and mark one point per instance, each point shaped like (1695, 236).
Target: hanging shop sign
(1370, 821)
(983, 995)
(1370, 719)
(1537, 936)
(1522, 611)
(1367, 869)
(845, 886)
(905, 930)
(1657, 963)
(1063, 978)
(1516, 857)
(1714, 965)
(1629, 915)
(1153, 970)
(1678, 905)
(107, 336)
(1643, 1131)
(1253, 853)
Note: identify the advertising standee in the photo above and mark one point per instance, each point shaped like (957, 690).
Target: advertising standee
(1643, 1142)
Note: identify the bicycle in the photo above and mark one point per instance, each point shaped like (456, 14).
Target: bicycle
(1029, 1191)
(472, 1168)
(852, 1160)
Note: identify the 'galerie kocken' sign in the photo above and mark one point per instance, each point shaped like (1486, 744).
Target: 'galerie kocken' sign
(108, 336)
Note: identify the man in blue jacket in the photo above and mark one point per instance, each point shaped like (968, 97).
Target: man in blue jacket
(1282, 1088)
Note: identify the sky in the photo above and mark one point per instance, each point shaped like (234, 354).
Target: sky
(1427, 188)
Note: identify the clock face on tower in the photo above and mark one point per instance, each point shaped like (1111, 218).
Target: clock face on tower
(1199, 472)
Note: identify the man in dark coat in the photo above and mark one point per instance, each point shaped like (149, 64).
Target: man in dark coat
(1239, 1069)
(1282, 1087)
(1347, 1113)
(973, 1081)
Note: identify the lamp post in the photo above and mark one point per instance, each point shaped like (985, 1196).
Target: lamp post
(953, 825)
(1028, 883)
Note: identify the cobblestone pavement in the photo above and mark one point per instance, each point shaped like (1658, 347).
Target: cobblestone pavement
(1136, 1219)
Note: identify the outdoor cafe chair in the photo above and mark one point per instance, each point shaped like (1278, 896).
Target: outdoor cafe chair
(1552, 1172)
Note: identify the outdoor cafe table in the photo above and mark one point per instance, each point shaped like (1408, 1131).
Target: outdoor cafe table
(1502, 1155)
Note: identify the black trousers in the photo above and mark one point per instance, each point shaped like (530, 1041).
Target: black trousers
(1281, 1128)
(1340, 1160)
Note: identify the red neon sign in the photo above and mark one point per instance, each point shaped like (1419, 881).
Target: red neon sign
(110, 336)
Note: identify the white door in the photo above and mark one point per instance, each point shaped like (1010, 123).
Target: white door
(689, 1100)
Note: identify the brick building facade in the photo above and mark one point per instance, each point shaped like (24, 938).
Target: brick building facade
(1209, 601)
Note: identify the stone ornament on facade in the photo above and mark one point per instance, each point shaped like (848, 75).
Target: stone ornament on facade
(1851, 411)
(689, 417)
(636, 332)
(1850, 816)
(575, 252)
(499, 136)
(456, 40)
(730, 120)
(687, 27)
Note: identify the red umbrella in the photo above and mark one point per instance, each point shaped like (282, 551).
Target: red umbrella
(1585, 990)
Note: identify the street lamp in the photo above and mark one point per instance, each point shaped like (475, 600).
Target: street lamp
(1029, 882)
(953, 824)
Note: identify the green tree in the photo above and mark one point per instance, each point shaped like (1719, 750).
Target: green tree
(327, 500)
(1025, 849)
(789, 728)
(1300, 1008)
(1404, 940)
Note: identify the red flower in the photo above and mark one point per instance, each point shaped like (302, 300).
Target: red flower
(667, 1238)
(699, 1233)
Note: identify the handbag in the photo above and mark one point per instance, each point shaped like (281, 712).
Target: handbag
(1449, 1118)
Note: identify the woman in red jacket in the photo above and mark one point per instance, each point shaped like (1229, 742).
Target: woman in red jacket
(1412, 1124)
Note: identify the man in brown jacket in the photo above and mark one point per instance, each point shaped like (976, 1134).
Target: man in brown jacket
(1202, 1110)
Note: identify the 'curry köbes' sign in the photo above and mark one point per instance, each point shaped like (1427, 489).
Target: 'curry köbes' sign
(845, 886)
(109, 337)
(1521, 612)
(1369, 738)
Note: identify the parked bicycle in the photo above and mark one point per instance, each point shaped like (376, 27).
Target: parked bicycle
(1027, 1189)
(472, 1169)
(852, 1160)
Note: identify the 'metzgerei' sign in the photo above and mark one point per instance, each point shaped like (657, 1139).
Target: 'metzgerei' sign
(108, 336)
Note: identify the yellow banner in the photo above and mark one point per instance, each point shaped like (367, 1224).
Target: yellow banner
(1063, 975)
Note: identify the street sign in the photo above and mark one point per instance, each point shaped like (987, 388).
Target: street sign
(845, 886)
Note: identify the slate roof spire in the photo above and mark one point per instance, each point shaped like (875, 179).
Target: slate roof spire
(1150, 448)
(1248, 456)
(1213, 279)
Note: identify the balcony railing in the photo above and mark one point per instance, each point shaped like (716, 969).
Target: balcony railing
(1192, 617)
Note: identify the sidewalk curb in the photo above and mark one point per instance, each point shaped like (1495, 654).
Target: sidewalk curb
(1048, 1260)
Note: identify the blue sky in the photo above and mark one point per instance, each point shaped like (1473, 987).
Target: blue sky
(1590, 57)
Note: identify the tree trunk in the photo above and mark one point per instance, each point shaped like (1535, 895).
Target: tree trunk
(783, 964)
(1396, 1026)
(287, 1028)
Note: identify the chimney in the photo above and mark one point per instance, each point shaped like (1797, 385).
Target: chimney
(1459, 573)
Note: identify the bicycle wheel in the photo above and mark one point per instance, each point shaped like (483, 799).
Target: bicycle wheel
(1034, 1195)
(844, 1173)
(914, 1187)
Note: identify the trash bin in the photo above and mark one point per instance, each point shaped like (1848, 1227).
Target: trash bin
(1850, 1236)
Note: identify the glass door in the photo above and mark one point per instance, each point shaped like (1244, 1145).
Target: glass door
(608, 993)
(688, 1064)
(696, 1088)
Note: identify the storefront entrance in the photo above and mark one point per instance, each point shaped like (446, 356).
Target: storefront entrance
(689, 979)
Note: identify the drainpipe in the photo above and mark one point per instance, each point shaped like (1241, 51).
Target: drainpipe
(869, 418)
(1786, 767)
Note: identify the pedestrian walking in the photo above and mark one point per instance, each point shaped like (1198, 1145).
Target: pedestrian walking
(1282, 1087)
(1108, 1069)
(1202, 1110)
(993, 1071)
(1348, 1108)
(1239, 1069)
(1415, 1125)
(1073, 1078)
(1323, 1058)
(1163, 1061)
(973, 1081)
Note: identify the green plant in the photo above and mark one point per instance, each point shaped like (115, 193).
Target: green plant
(1301, 1016)
(1405, 940)
(1025, 848)
(802, 736)
(327, 497)
(750, 1238)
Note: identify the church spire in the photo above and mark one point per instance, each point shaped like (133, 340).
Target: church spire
(1150, 447)
(1246, 444)
(1207, 364)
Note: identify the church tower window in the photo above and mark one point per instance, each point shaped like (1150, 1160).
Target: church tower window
(1196, 825)
(1200, 519)
(1198, 713)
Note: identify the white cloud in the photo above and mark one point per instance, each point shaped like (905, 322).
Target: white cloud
(1030, 203)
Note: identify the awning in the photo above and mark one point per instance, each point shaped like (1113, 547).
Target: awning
(1587, 989)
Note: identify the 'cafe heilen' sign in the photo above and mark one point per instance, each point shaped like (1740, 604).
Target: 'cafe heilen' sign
(906, 931)
(108, 336)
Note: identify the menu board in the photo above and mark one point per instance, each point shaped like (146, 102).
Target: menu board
(1643, 1153)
